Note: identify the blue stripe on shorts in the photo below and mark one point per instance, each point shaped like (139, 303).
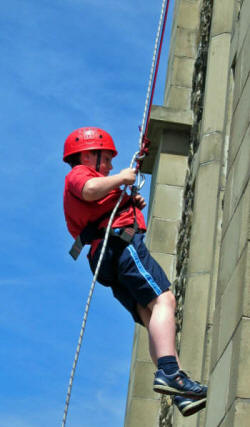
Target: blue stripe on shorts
(147, 276)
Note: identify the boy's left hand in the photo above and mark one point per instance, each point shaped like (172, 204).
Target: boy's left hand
(139, 201)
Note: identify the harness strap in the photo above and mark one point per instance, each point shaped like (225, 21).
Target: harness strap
(91, 232)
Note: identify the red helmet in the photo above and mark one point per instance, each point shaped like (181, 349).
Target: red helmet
(90, 138)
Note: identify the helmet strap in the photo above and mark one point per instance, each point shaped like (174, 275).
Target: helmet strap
(98, 160)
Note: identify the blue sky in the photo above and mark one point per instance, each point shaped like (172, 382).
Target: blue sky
(65, 64)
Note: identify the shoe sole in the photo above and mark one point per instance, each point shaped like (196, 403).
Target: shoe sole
(193, 407)
(164, 389)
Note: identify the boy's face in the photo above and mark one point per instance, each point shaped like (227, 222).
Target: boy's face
(89, 158)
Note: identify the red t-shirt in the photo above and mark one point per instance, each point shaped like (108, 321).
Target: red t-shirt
(78, 212)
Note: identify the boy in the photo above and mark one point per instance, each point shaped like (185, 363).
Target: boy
(136, 279)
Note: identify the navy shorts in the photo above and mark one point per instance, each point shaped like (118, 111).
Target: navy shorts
(131, 272)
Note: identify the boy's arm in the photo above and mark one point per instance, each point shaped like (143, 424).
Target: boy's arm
(96, 188)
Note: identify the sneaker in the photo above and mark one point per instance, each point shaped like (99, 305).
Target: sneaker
(188, 406)
(178, 384)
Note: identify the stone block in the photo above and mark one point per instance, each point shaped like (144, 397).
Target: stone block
(207, 354)
(180, 421)
(246, 294)
(216, 84)
(238, 415)
(172, 169)
(242, 68)
(244, 22)
(210, 147)
(215, 336)
(242, 347)
(182, 73)
(219, 389)
(189, 15)
(194, 324)
(216, 260)
(143, 412)
(222, 21)
(163, 236)
(186, 43)
(142, 353)
(234, 241)
(240, 122)
(204, 217)
(238, 176)
(167, 262)
(234, 374)
(167, 202)
(179, 98)
(245, 64)
(143, 380)
(231, 304)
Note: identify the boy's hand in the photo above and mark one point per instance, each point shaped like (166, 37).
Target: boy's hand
(128, 176)
(139, 201)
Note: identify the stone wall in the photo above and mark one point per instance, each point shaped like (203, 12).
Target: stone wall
(229, 393)
(202, 129)
(197, 97)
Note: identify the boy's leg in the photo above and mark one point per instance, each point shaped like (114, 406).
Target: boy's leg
(187, 406)
(145, 315)
(161, 328)
(162, 324)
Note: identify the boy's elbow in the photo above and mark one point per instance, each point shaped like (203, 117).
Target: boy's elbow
(89, 192)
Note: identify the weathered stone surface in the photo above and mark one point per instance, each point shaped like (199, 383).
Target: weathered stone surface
(215, 336)
(240, 122)
(237, 179)
(179, 98)
(167, 202)
(171, 125)
(222, 17)
(143, 412)
(180, 421)
(242, 348)
(242, 67)
(189, 15)
(234, 240)
(231, 304)
(219, 389)
(172, 169)
(215, 98)
(183, 71)
(192, 344)
(245, 63)
(163, 236)
(244, 21)
(201, 248)
(246, 295)
(143, 381)
(186, 43)
(238, 415)
(210, 147)
(142, 353)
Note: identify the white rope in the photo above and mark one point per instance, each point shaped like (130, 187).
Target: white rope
(140, 183)
(87, 306)
(152, 72)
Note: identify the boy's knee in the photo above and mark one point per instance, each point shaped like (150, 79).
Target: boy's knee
(166, 298)
(170, 298)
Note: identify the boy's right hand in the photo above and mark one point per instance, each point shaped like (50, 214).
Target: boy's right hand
(128, 176)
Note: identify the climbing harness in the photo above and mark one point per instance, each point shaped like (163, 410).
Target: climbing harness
(93, 232)
(137, 158)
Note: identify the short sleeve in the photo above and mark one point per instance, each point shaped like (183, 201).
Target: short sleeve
(78, 178)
